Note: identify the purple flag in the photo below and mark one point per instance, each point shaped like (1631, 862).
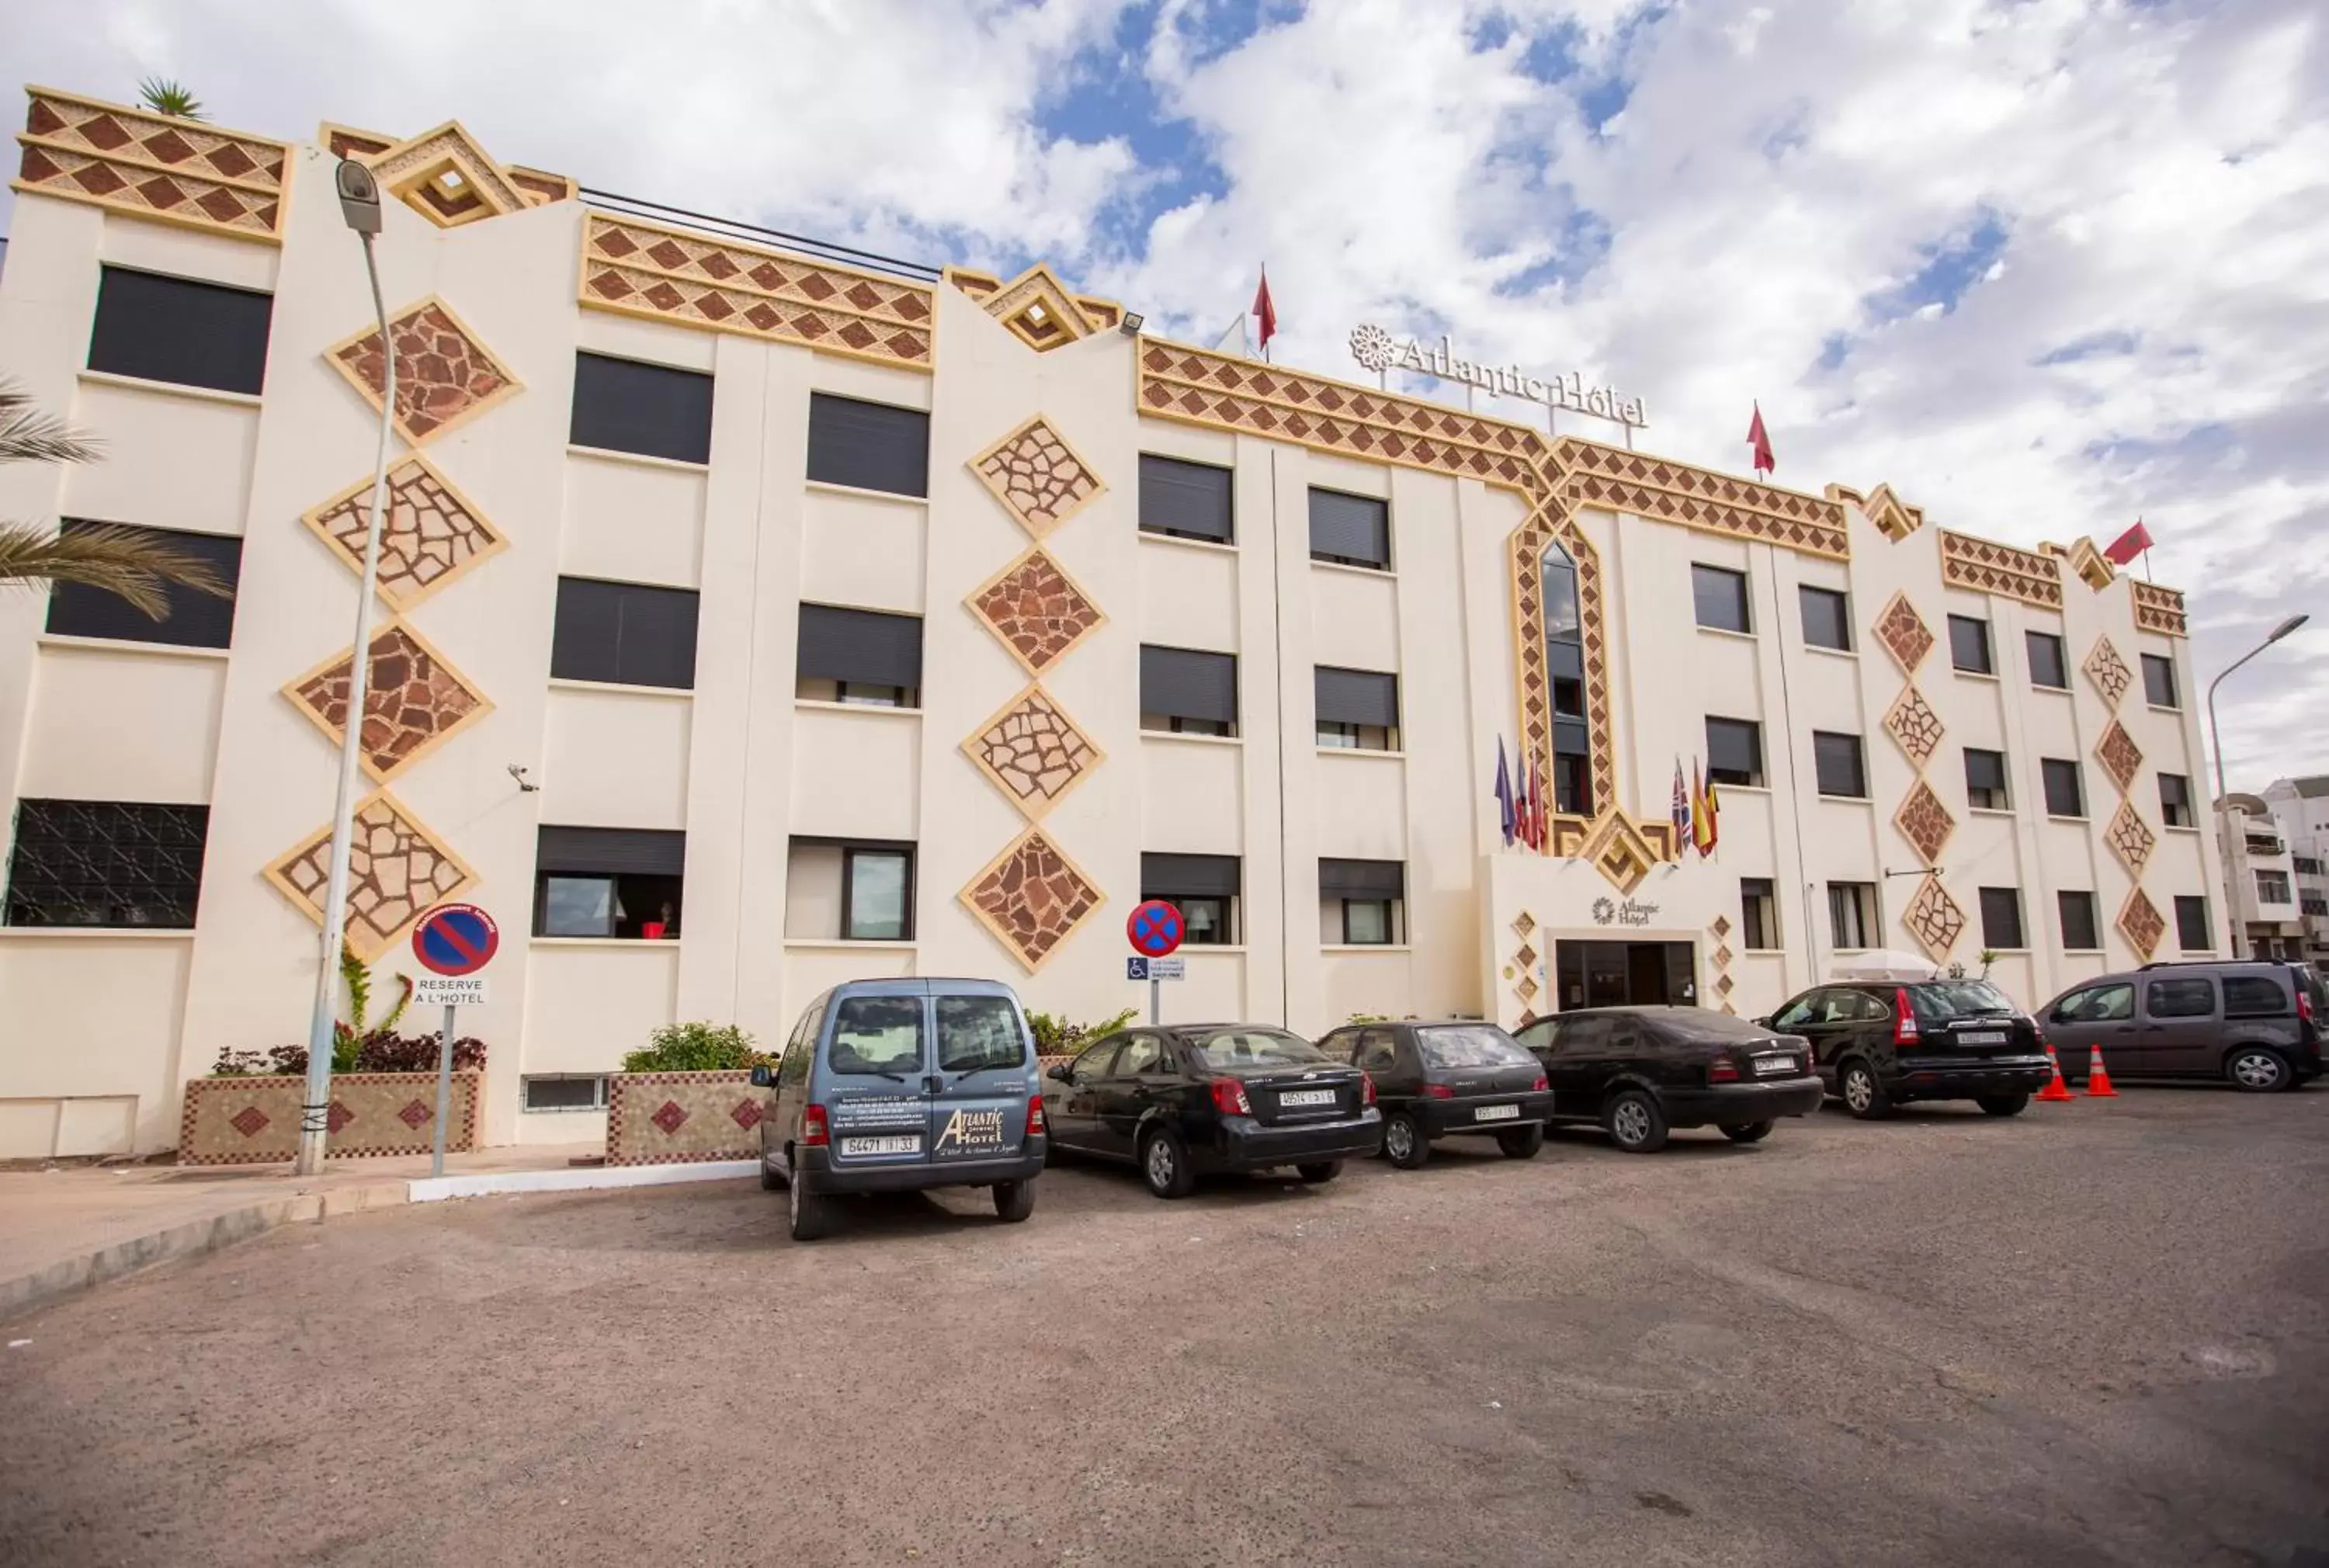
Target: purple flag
(1505, 793)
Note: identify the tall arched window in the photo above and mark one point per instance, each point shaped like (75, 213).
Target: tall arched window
(1564, 664)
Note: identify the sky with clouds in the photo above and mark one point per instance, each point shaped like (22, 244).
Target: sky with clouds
(2042, 266)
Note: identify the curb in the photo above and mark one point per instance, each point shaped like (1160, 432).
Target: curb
(435, 1189)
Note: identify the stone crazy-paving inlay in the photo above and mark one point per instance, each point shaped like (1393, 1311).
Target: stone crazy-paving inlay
(430, 532)
(1032, 751)
(444, 374)
(396, 869)
(1904, 634)
(1037, 610)
(2140, 919)
(1911, 721)
(2109, 671)
(1031, 897)
(2120, 756)
(1037, 476)
(413, 701)
(1925, 822)
(1933, 918)
(2132, 837)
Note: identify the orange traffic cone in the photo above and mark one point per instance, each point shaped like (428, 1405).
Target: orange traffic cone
(2097, 1081)
(2056, 1092)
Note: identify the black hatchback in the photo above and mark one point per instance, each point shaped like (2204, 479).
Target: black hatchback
(1439, 1080)
(1190, 1099)
(1879, 1043)
(1644, 1071)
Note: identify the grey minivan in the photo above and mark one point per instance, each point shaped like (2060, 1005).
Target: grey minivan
(2256, 1023)
(893, 1085)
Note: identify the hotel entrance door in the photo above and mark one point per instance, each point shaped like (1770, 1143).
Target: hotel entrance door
(1624, 974)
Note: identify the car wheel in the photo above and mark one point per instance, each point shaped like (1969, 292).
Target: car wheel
(2257, 1071)
(1635, 1122)
(1863, 1092)
(1015, 1200)
(1164, 1165)
(1404, 1144)
(1752, 1133)
(1325, 1170)
(811, 1212)
(2002, 1104)
(1522, 1143)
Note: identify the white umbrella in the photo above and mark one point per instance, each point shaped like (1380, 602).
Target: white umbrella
(1883, 963)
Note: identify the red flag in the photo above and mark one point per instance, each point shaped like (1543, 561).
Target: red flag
(2129, 545)
(1759, 439)
(1266, 311)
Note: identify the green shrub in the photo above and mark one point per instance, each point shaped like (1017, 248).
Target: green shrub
(1056, 1037)
(696, 1047)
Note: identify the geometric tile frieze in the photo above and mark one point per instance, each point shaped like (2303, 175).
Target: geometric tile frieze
(1904, 634)
(414, 701)
(1990, 568)
(2156, 609)
(2120, 756)
(150, 165)
(1031, 896)
(1925, 822)
(1933, 918)
(2131, 838)
(2109, 671)
(444, 375)
(1033, 752)
(1664, 491)
(396, 869)
(430, 532)
(2140, 919)
(1037, 476)
(1036, 609)
(717, 284)
(1911, 721)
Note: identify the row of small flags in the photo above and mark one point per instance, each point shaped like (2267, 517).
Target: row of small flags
(1697, 813)
(1527, 818)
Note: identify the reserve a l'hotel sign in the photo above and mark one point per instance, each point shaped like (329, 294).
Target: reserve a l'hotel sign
(1377, 350)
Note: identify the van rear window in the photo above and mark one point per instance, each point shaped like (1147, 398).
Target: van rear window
(979, 1032)
(2255, 995)
(877, 1036)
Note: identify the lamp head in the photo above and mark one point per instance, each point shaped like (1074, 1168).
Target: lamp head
(2286, 627)
(358, 196)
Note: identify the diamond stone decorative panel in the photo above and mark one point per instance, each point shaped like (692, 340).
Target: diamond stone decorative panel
(2156, 609)
(719, 285)
(1911, 721)
(2120, 756)
(2140, 920)
(1033, 752)
(1031, 897)
(448, 178)
(413, 702)
(1991, 567)
(1893, 518)
(1925, 822)
(2132, 837)
(2109, 671)
(1037, 476)
(1036, 308)
(1037, 610)
(444, 375)
(1904, 634)
(1934, 919)
(1618, 850)
(396, 869)
(430, 532)
(150, 165)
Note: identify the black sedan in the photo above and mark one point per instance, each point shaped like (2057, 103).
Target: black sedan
(1642, 1072)
(1437, 1080)
(1190, 1099)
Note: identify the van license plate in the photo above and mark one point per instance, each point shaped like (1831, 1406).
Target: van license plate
(1291, 1098)
(1775, 1064)
(881, 1146)
(1497, 1113)
(1984, 1037)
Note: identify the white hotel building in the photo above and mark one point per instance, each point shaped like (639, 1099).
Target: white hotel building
(753, 617)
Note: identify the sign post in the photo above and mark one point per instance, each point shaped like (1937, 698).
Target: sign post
(1154, 930)
(453, 941)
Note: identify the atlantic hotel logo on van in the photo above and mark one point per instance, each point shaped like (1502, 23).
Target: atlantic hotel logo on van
(1377, 350)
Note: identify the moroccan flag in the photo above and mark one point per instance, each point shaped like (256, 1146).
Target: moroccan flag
(1265, 311)
(1704, 832)
(1681, 811)
(1761, 440)
(2129, 545)
(1504, 803)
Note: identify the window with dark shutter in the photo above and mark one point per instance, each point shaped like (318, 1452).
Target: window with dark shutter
(1734, 751)
(1354, 529)
(2048, 667)
(868, 445)
(2066, 794)
(106, 863)
(1827, 618)
(1203, 887)
(2175, 800)
(1185, 684)
(1361, 878)
(1358, 697)
(609, 882)
(1759, 915)
(861, 647)
(1185, 499)
(629, 406)
(1985, 780)
(192, 619)
(1969, 645)
(2191, 930)
(2081, 931)
(1720, 597)
(1836, 763)
(2001, 917)
(2159, 680)
(629, 633)
(173, 329)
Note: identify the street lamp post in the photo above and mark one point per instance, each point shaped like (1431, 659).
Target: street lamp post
(2216, 744)
(359, 205)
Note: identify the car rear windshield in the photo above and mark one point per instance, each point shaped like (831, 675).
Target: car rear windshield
(1234, 1049)
(1942, 999)
(1481, 1045)
(877, 1036)
(979, 1032)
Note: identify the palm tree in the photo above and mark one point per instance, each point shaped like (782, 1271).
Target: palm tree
(127, 561)
(165, 97)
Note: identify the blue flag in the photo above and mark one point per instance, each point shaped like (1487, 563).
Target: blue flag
(1505, 793)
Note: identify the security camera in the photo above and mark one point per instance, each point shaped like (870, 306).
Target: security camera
(517, 770)
(358, 196)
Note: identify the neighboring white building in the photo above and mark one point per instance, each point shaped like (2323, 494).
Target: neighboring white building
(755, 619)
(2300, 811)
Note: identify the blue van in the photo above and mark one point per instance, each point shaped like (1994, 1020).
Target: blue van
(893, 1085)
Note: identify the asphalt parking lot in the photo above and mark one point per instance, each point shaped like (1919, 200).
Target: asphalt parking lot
(2095, 1334)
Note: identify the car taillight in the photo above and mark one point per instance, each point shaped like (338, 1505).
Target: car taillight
(1229, 1098)
(1540, 1085)
(2303, 1005)
(1035, 1116)
(1438, 1092)
(1366, 1089)
(1904, 1019)
(1724, 1070)
(814, 1132)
